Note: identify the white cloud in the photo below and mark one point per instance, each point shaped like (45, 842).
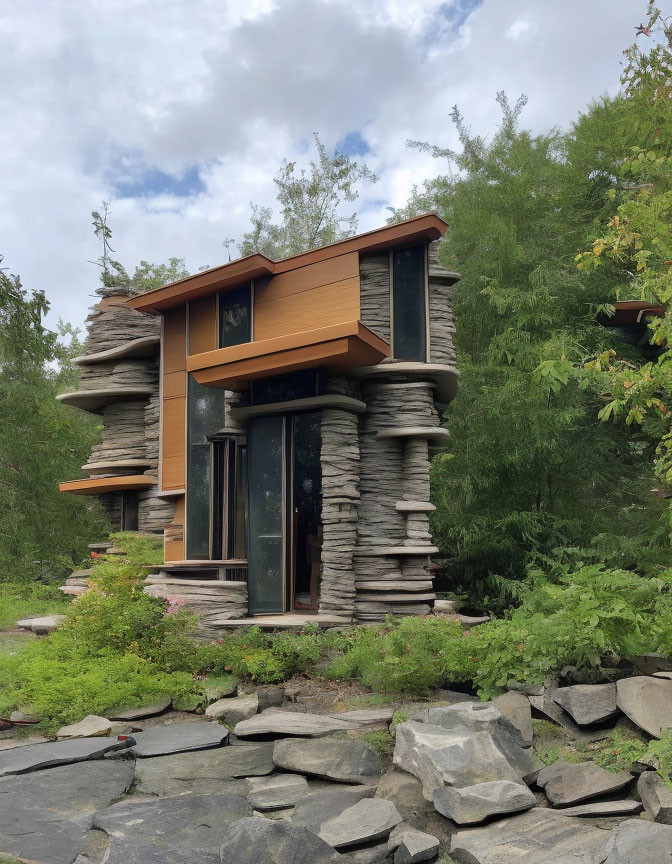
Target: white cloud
(93, 92)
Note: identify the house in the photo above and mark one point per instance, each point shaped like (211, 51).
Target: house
(276, 420)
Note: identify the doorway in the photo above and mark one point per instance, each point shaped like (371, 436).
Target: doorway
(284, 512)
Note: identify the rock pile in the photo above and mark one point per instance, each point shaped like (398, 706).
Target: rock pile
(288, 786)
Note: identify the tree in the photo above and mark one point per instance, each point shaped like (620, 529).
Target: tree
(310, 206)
(638, 239)
(528, 468)
(41, 443)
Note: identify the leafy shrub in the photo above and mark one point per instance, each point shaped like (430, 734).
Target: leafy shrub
(263, 657)
(409, 655)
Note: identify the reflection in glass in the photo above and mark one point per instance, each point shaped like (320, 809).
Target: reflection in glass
(408, 299)
(235, 316)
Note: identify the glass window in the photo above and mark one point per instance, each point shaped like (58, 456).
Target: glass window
(205, 415)
(235, 316)
(281, 388)
(409, 304)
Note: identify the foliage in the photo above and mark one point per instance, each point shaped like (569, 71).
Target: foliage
(381, 741)
(528, 469)
(112, 272)
(310, 206)
(42, 533)
(638, 238)
(148, 276)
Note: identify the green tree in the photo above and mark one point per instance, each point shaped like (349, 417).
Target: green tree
(310, 206)
(528, 468)
(638, 240)
(149, 276)
(41, 442)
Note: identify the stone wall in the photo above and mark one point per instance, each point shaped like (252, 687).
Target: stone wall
(441, 323)
(340, 495)
(374, 276)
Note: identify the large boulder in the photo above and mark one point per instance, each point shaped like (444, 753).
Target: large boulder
(203, 772)
(647, 701)
(121, 850)
(90, 727)
(568, 783)
(292, 723)
(587, 703)
(371, 819)
(310, 812)
(179, 738)
(656, 797)
(45, 815)
(405, 792)
(470, 805)
(485, 717)
(636, 842)
(333, 759)
(199, 823)
(277, 791)
(233, 710)
(450, 757)
(264, 841)
(540, 836)
(518, 711)
(33, 757)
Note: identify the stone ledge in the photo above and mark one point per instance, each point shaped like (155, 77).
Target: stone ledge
(397, 550)
(143, 347)
(443, 376)
(333, 400)
(414, 507)
(95, 400)
(430, 432)
(121, 464)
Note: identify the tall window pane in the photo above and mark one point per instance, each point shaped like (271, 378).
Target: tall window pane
(408, 300)
(205, 415)
(235, 316)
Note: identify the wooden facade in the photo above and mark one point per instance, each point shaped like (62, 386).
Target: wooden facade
(296, 420)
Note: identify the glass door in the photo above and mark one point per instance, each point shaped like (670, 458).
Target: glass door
(266, 515)
(306, 510)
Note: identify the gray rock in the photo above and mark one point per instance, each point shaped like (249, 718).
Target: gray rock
(179, 738)
(20, 718)
(140, 713)
(405, 792)
(276, 722)
(277, 791)
(46, 814)
(264, 841)
(270, 696)
(587, 703)
(442, 757)
(656, 797)
(627, 807)
(469, 805)
(90, 727)
(203, 772)
(636, 842)
(124, 851)
(518, 711)
(485, 717)
(567, 783)
(647, 701)
(416, 846)
(199, 823)
(233, 710)
(370, 819)
(650, 664)
(344, 761)
(33, 757)
(540, 836)
(366, 716)
(41, 625)
(310, 812)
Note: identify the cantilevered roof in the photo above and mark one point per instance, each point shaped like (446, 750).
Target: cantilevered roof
(429, 226)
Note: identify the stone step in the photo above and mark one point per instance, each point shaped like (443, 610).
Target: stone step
(415, 507)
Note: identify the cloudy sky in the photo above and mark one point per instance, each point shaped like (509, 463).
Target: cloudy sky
(179, 112)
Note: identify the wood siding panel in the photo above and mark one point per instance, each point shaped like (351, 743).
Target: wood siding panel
(174, 400)
(306, 278)
(203, 325)
(321, 306)
(173, 545)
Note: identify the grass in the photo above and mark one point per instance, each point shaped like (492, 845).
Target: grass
(12, 643)
(28, 601)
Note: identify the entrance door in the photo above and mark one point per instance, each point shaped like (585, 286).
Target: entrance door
(284, 493)
(266, 515)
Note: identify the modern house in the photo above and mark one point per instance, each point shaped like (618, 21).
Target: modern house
(276, 420)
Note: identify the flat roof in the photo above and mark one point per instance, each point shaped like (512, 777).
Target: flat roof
(428, 226)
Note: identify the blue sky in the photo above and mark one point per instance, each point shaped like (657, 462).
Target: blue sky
(179, 112)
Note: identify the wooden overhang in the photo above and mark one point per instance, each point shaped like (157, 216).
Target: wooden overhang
(100, 485)
(632, 312)
(429, 226)
(339, 347)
